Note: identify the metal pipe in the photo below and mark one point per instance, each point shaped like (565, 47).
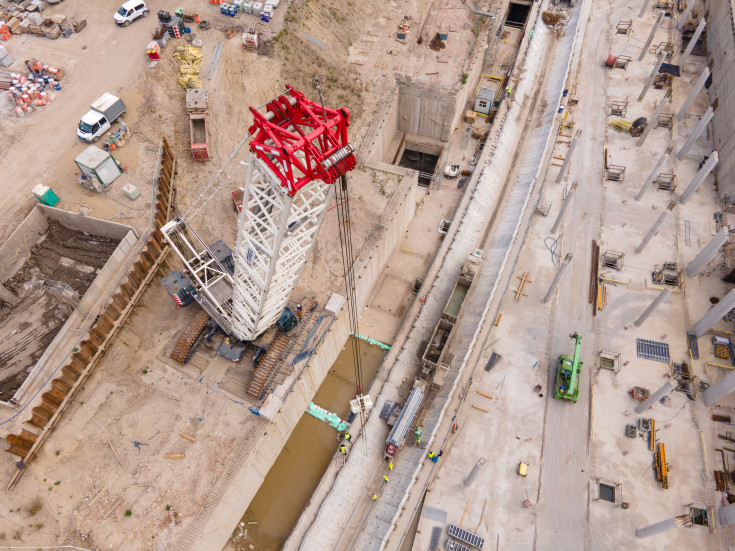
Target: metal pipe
(701, 125)
(564, 207)
(655, 227)
(693, 94)
(650, 36)
(653, 119)
(557, 278)
(652, 76)
(653, 174)
(662, 296)
(708, 166)
(692, 42)
(565, 164)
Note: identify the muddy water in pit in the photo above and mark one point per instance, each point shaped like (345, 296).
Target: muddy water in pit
(307, 453)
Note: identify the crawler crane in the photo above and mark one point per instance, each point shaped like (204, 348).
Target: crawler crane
(298, 148)
(568, 373)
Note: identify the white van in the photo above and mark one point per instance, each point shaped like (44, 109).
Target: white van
(130, 11)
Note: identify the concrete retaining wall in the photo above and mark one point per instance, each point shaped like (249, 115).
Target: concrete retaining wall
(18, 249)
(426, 112)
(721, 45)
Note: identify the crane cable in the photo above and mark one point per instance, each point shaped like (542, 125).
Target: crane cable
(345, 240)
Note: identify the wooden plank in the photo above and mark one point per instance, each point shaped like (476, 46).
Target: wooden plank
(485, 395)
(189, 438)
(481, 409)
(174, 456)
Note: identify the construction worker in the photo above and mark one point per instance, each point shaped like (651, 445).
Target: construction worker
(436, 457)
(300, 311)
(348, 436)
(385, 479)
(343, 450)
(508, 91)
(390, 465)
(374, 497)
(431, 455)
(417, 432)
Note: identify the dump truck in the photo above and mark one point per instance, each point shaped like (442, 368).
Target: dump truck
(102, 113)
(199, 136)
(568, 373)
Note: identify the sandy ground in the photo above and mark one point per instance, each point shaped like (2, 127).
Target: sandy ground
(62, 255)
(105, 458)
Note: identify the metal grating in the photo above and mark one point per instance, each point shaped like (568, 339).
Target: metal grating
(436, 533)
(465, 537)
(652, 350)
(452, 545)
(693, 345)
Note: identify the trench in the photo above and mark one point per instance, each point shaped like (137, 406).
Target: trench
(296, 473)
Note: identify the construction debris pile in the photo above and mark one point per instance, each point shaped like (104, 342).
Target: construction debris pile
(26, 18)
(557, 17)
(190, 58)
(33, 89)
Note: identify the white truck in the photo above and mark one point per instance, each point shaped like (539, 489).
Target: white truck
(98, 120)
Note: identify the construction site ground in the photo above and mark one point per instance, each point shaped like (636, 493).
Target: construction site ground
(101, 480)
(502, 417)
(570, 448)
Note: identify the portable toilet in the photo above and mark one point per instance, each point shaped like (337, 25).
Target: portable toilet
(46, 195)
(484, 100)
(99, 168)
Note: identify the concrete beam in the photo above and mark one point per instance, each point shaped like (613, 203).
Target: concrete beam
(716, 313)
(701, 125)
(708, 166)
(653, 119)
(564, 207)
(652, 76)
(475, 471)
(557, 277)
(709, 250)
(667, 387)
(655, 227)
(565, 164)
(650, 36)
(684, 16)
(653, 174)
(721, 389)
(662, 296)
(657, 528)
(693, 94)
(643, 8)
(692, 42)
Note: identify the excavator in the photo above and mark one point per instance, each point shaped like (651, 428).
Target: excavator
(567, 375)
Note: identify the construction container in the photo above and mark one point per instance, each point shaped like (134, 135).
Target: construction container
(274, 3)
(131, 192)
(99, 168)
(46, 195)
(153, 50)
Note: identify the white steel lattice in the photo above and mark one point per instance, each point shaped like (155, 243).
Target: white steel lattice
(212, 281)
(275, 235)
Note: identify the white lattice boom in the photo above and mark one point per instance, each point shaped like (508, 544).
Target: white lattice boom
(275, 235)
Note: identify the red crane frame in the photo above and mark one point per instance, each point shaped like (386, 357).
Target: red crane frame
(301, 141)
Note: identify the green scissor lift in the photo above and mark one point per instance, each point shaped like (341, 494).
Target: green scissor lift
(567, 375)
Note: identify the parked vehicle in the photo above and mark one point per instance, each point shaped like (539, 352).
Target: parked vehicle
(98, 120)
(130, 11)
